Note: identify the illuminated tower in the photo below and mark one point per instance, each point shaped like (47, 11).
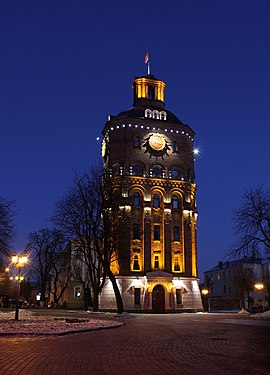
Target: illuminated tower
(148, 153)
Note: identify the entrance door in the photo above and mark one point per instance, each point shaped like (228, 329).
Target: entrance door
(158, 299)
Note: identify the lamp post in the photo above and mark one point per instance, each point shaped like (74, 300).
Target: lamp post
(259, 287)
(205, 293)
(18, 261)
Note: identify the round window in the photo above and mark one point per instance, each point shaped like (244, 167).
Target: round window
(175, 173)
(156, 171)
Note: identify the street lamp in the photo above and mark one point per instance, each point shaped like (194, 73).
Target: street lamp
(205, 293)
(18, 261)
(259, 286)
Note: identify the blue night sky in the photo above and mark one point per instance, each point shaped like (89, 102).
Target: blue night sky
(66, 65)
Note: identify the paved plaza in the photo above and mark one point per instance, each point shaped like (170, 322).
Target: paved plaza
(168, 344)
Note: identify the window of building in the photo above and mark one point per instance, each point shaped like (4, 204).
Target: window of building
(156, 115)
(176, 264)
(148, 113)
(156, 233)
(77, 292)
(157, 170)
(179, 297)
(175, 202)
(156, 201)
(136, 231)
(151, 93)
(224, 289)
(137, 142)
(163, 115)
(136, 199)
(136, 266)
(176, 233)
(137, 296)
(137, 170)
(176, 173)
(175, 146)
(116, 170)
(156, 262)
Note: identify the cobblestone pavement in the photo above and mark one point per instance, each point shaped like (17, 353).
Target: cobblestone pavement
(148, 344)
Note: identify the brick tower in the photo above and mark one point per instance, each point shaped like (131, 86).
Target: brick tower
(148, 153)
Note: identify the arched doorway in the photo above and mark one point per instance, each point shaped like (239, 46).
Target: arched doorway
(158, 299)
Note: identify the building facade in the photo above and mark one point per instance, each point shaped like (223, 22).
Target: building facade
(242, 283)
(148, 155)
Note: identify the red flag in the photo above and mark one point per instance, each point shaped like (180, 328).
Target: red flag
(146, 59)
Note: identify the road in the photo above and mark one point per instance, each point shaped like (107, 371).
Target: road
(171, 344)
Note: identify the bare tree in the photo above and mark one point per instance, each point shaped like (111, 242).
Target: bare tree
(61, 273)
(244, 284)
(45, 247)
(6, 226)
(78, 214)
(252, 225)
(91, 215)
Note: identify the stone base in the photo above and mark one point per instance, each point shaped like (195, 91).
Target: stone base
(158, 292)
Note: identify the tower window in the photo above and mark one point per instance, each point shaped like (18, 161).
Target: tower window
(151, 93)
(136, 231)
(136, 266)
(176, 264)
(137, 296)
(176, 173)
(136, 199)
(157, 171)
(137, 142)
(175, 146)
(156, 262)
(137, 170)
(148, 113)
(156, 115)
(156, 233)
(163, 115)
(156, 201)
(175, 202)
(176, 233)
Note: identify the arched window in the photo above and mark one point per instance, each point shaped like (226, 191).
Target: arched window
(156, 262)
(176, 174)
(157, 171)
(137, 142)
(175, 202)
(176, 264)
(156, 233)
(175, 146)
(163, 115)
(136, 266)
(136, 199)
(156, 201)
(116, 170)
(137, 170)
(156, 115)
(176, 233)
(148, 113)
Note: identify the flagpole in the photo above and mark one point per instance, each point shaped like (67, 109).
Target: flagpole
(148, 67)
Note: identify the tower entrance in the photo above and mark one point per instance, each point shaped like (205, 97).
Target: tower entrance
(158, 299)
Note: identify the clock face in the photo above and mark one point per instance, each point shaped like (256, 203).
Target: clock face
(157, 142)
(156, 145)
